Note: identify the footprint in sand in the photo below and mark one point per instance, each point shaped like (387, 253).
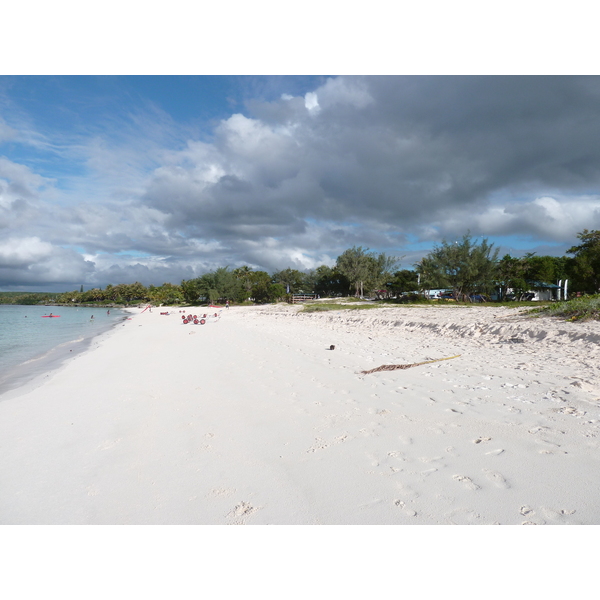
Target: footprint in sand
(496, 478)
(407, 511)
(464, 516)
(467, 481)
(535, 430)
(320, 444)
(429, 459)
(556, 515)
(481, 439)
(428, 472)
(495, 452)
(240, 512)
(221, 492)
(526, 510)
(396, 454)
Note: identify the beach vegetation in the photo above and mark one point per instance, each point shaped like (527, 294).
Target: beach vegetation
(244, 275)
(365, 270)
(402, 282)
(329, 282)
(584, 308)
(585, 264)
(292, 280)
(411, 298)
(27, 298)
(522, 275)
(166, 294)
(323, 307)
(466, 267)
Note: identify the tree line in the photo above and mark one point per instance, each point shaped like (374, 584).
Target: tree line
(466, 266)
(356, 270)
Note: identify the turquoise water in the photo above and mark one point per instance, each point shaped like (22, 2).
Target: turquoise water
(28, 341)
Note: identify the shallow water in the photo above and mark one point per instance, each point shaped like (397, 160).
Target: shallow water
(26, 338)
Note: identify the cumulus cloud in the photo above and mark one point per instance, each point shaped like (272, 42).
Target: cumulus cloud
(372, 161)
(29, 261)
(19, 181)
(545, 218)
(17, 253)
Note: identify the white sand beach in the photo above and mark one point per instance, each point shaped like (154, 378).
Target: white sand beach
(252, 419)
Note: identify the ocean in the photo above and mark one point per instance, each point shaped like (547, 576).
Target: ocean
(30, 344)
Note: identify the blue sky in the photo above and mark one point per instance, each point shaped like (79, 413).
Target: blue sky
(109, 179)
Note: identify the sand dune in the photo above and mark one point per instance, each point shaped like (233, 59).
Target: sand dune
(251, 419)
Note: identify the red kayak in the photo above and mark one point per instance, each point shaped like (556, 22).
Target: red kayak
(50, 316)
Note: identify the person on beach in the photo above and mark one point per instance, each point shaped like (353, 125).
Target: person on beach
(227, 304)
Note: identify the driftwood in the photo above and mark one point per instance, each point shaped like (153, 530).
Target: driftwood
(394, 367)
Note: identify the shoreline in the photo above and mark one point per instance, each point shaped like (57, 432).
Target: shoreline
(252, 419)
(32, 372)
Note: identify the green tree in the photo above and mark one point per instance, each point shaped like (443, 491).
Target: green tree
(353, 263)
(130, 292)
(73, 297)
(365, 269)
(219, 285)
(243, 275)
(403, 281)
(109, 292)
(93, 295)
(167, 294)
(545, 269)
(292, 280)
(510, 274)
(276, 291)
(330, 282)
(190, 291)
(261, 281)
(379, 273)
(585, 267)
(464, 266)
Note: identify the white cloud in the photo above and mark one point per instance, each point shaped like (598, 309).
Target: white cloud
(21, 180)
(546, 218)
(350, 91)
(311, 101)
(23, 252)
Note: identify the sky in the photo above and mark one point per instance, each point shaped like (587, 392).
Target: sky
(115, 179)
(181, 149)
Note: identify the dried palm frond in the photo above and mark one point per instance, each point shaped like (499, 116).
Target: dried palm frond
(394, 367)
